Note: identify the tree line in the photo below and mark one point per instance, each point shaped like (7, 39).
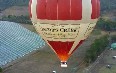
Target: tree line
(107, 25)
(96, 49)
(17, 19)
(107, 5)
(0, 69)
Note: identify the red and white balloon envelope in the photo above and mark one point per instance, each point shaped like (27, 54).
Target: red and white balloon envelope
(64, 24)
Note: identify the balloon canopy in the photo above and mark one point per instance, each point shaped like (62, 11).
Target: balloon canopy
(64, 24)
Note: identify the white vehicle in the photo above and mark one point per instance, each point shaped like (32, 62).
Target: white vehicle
(54, 71)
(114, 57)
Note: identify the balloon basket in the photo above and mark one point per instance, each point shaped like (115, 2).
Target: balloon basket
(63, 64)
(54, 72)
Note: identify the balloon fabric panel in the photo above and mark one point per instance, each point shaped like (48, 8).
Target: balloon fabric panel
(59, 9)
(41, 9)
(95, 9)
(63, 9)
(76, 9)
(51, 9)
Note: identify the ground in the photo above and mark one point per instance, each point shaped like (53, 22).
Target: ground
(109, 60)
(45, 61)
(99, 66)
(15, 10)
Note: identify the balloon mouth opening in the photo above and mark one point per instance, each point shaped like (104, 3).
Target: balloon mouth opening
(63, 64)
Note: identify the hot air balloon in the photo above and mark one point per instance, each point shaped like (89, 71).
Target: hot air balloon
(64, 24)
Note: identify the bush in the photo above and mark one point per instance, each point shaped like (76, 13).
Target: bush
(106, 25)
(17, 19)
(0, 69)
(96, 32)
(96, 49)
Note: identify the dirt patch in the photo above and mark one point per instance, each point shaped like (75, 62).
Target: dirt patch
(15, 10)
(29, 27)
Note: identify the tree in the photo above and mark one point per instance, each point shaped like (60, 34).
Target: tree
(0, 69)
(17, 19)
(96, 49)
(107, 25)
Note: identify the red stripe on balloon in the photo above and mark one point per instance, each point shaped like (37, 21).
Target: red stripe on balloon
(76, 9)
(94, 9)
(63, 9)
(51, 9)
(30, 3)
(41, 9)
(62, 49)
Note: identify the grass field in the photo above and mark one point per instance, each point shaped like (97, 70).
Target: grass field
(106, 70)
(109, 60)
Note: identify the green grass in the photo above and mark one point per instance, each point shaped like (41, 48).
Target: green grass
(0, 69)
(109, 60)
(106, 70)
